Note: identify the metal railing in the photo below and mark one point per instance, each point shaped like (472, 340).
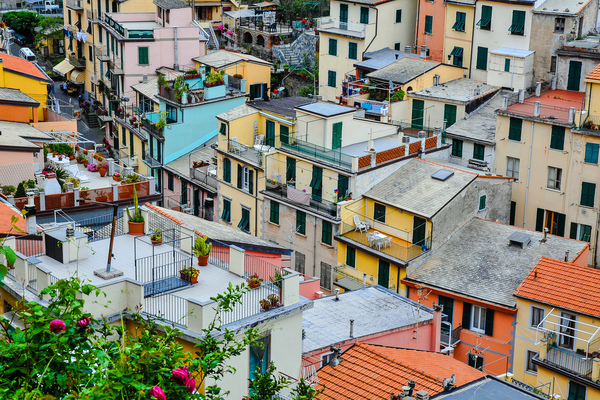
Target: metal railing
(53, 280)
(234, 82)
(264, 269)
(537, 390)
(247, 152)
(151, 127)
(325, 23)
(250, 304)
(170, 230)
(219, 255)
(102, 53)
(30, 245)
(323, 206)
(100, 227)
(334, 157)
(576, 363)
(125, 157)
(160, 273)
(77, 61)
(114, 24)
(169, 307)
(204, 177)
(32, 278)
(450, 336)
(347, 272)
(75, 4)
(372, 106)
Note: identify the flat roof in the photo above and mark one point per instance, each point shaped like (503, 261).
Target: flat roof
(21, 135)
(381, 58)
(509, 51)
(148, 89)
(284, 106)
(8, 95)
(237, 112)
(403, 71)
(555, 105)
(572, 7)
(462, 90)
(325, 109)
(379, 144)
(223, 58)
(478, 262)
(484, 118)
(171, 4)
(374, 309)
(412, 188)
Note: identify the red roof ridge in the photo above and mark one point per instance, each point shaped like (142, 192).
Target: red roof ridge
(447, 166)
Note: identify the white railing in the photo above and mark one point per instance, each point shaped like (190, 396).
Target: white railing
(328, 23)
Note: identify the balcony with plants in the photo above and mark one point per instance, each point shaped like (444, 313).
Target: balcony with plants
(191, 88)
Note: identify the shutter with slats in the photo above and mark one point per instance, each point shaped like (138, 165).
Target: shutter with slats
(560, 228)
(240, 172)
(251, 182)
(466, 317)
(539, 220)
(489, 322)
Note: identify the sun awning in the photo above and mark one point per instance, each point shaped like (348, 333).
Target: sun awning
(77, 77)
(63, 67)
(457, 51)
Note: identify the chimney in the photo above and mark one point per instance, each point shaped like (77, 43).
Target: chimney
(572, 111)
(545, 239)
(30, 218)
(504, 102)
(422, 395)
(351, 328)
(411, 385)
(335, 358)
(537, 109)
(424, 51)
(538, 89)
(448, 384)
(337, 294)
(145, 78)
(567, 255)
(436, 80)
(364, 280)
(521, 96)
(407, 49)
(554, 83)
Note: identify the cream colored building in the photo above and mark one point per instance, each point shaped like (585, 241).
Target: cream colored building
(458, 32)
(354, 28)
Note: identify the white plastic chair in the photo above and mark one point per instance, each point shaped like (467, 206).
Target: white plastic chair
(76, 173)
(237, 147)
(259, 140)
(360, 225)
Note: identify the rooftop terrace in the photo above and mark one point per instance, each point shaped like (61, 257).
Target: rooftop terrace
(555, 105)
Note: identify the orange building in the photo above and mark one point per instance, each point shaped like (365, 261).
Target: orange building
(17, 106)
(430, 28)
(473, 276)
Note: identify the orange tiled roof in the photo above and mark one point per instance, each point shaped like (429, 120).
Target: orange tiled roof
(563, 284)
(22, 66)
(595, 74)
(373, 372)
(6, 211)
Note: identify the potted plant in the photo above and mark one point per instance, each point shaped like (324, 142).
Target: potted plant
(189, 274)
(277, 279)
(85, 151)
(286, 67)
(80, 159)
(254, 281)
(156, 237)
(202, 250)
(272, 301)
(136, 221)
(102, 168)
(117, 177)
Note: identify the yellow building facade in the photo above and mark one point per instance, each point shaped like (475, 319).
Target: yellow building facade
(458, 33)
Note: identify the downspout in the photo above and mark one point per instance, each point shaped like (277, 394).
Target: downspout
(255, 202)
(176, 64)
(416, 46)
(528, 174)
(588, 108)
(472, 38)
(372, 40)
(315, 248)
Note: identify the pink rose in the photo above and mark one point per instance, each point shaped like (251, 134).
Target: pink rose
(191, 384)
(84, 322)
(158, 393)
(180, 375)
(57, 326)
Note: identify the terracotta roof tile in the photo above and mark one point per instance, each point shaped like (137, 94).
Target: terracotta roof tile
(595, 74)
(374, 372)
(6, 211)
(22, 66)
(563, 284)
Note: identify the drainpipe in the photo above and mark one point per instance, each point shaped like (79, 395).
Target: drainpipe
(255, 202)
(587, 115)
(315, 248)
(528, 174)
(176, 64)
(372, 40)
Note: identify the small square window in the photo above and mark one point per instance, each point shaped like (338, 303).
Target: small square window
(398, 16)
(554, 178)
(379, 213)
(531, 367)
(457, 146)
(512, 167)
(559, 25)
(537, 315)
(553, 64)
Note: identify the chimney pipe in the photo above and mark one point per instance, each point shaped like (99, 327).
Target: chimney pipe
(436, 80)
(424, 51)
(337, 294)
(572, 111)
(537, 109)
(567, 255)
(407, 49)
(335, 358)
(504, 102)
(521, 96)
(411, 385)
(364, 280)
(176, 64)
(30, 218)
(351, 328)
(538, 89)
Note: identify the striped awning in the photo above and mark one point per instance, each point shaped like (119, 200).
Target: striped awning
(63, 67)
(457, 51)
(77, 77)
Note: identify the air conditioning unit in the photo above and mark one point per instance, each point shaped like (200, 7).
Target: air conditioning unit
(93, 78)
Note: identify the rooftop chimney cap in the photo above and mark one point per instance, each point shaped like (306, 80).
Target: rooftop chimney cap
(337, 294)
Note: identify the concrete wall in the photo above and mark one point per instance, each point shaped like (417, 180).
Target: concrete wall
(435, 40)
(520, 75)
(545, 42)
(562, 68)
(457, 38)
(467, 153)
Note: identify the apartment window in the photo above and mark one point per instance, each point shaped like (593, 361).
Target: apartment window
(342, 186)
(245, 178)
(567, 330)
(274, 212)
(531, 367)
(457, 53)
(576, 391)
(553, 221)
(554, 178)
(336, 135)
(90, 55)
(301, 222)
(559, 25)
(364, 15)
(513, 211)
(514, 130)
(226, 214)
(379, 213)
(553, 64)
(485, 22)
(482, 56)
(143, 56)
(591, 153)
(284, 134)
(258, 91)
(290, 170)
(557, 139)
(223, 129)
(478, 319)
(69, 17)
(457, 146)
(512, 167)
(429, 24)
(325, 358)
(259, 356)
(331, 78)
(475, 361)
(326, 233)
(171, 114)
(588, 191)
(580, 232)
(459, 24)
(352, 51)
(507, 65)
(478, 151)
(517, 26)
(146, 105)
(397, 46)
(398, 16)
(537, 316)
(244, 223)
(449, 115)
(482, 202)
(351, 257)
(325, 275)
(227, 170)
(170, 181)
(333, 47)
(300, 262)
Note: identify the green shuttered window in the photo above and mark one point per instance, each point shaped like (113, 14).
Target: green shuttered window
(326, 233)
(588, 191)
(227, 170)
(518, 23)
(591, 153)
(143, 56)
(352, 51)
(429, 24)
(557, 139)
(482, 57)
(301, 222)
(333, 47)
(514, 130)
(274, 214)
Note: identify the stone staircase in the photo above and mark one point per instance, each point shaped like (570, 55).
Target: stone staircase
(293, 53)
(92, 120)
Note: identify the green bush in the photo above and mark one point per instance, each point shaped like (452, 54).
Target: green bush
(20, 191)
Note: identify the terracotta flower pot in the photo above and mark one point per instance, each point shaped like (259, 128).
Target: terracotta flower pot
(254, 285)
(136, 228)
(117, 178)
(203, 261)
(102, 171)
(156, 242)
(188, 277)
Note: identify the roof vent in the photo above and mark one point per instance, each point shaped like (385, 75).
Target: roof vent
(519, 239)
(422, 395)
(442, 174)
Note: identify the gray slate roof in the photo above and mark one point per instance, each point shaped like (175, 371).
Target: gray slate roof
(403, 71)
(15, 95)
(283, 106)
(480, 125)
(488, 388)
(478, 262)
(171, 4)
(412, 188)
(381, 58)
(561, 7)
(461, 90)
(325, 109)
(148, 89)
(237, 112)
(20, 134)
(226, 234)
(373, 309)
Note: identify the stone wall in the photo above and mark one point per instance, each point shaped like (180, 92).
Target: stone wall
(293, 83)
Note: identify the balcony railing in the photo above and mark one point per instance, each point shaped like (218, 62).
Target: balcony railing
(78, 62)
(126, 159)
(204, 177)
(450, 337)
(249, 153)
(373, 107)
(76, 5)
(114, 24)
(325, 207)
(102, 53)
(320, 153)
(569, 360)
(151, 127)
(328, 24)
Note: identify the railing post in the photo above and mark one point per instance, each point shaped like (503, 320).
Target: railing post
(237, 258)
(187, 243)
(43, 278)
(21, 270)
(290, 289)
(543, 350)
(200, 314)
(596, 369)
(151, 185)
(76, 196)
(115, 190)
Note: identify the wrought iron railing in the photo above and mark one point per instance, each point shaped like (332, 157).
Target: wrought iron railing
(450, 337)
(205, 178)
(250, 302)
(160, 273)
(576, 363)
(320, 153)
(219, 255)
(100, 227)
(264, 269)
(169, 307)
(323, 206)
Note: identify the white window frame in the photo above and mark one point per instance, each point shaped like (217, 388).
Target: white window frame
(246, 179)
(554, 178)
(325, 358)
(563, 330)
(512, 167)
(478, 315)
(260, 85)
(541, 320)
